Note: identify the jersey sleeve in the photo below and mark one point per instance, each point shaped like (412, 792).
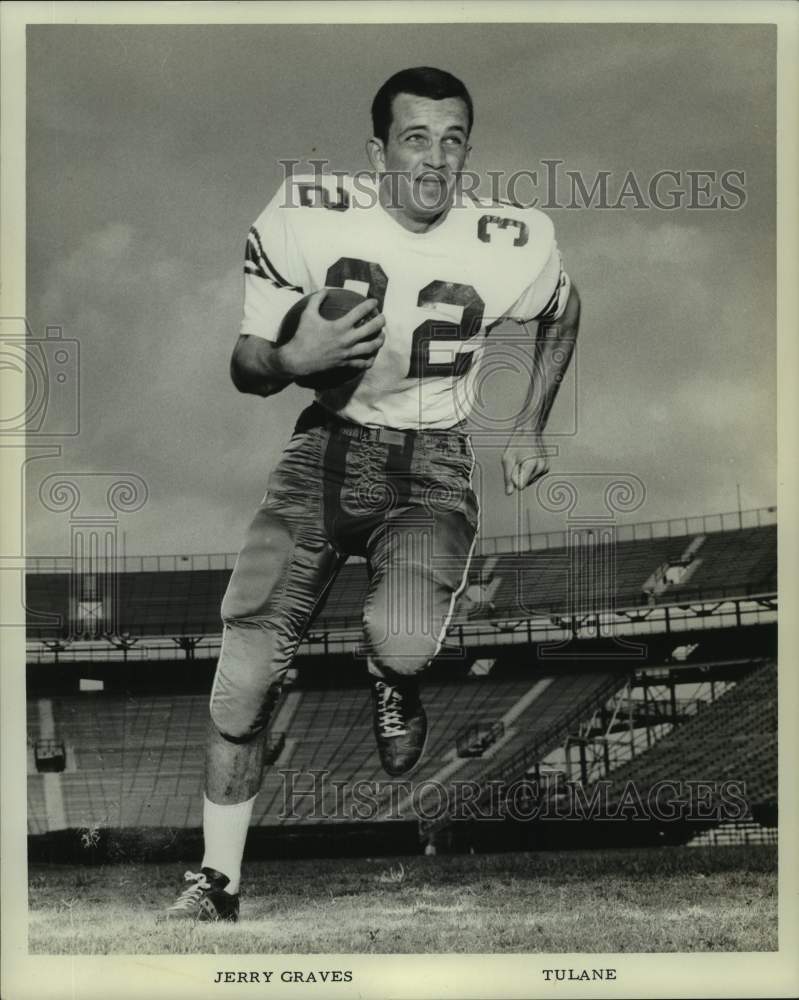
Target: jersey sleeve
(544, 299)
(274, 272)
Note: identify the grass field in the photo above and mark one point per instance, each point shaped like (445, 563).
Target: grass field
(657, 900)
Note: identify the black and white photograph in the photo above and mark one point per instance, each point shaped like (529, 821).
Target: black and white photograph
(395, 436)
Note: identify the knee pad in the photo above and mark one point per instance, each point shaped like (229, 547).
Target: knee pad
(394, 661)
(401, 640)
(403, 655)
(247, 683)
(240, 718)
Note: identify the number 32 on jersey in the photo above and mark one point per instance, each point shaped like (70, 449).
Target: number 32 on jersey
(431, 330)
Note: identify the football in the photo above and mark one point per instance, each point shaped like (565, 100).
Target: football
(337, 303)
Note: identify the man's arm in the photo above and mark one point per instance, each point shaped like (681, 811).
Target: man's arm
(524, 459)
(255, 367)
(261, 367)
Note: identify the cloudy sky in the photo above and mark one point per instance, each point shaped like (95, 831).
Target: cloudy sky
(152, 149)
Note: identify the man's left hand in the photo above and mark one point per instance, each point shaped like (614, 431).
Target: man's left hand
(524, 463)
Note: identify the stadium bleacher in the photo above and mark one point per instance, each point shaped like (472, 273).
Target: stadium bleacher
(138, 761)
(186, 602)
(732, 739)
(745, 559)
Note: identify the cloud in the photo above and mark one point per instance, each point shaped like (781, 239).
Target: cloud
(156, 397)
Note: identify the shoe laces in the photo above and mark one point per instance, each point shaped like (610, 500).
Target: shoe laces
(192, 893)
(389, 711)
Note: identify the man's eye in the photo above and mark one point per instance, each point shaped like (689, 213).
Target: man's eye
(454, 140)
(414, 138)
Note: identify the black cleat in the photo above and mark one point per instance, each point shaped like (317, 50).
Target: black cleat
(206, 898)
(400, 726)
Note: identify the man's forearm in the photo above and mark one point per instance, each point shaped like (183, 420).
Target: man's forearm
(256, 367)
(554, 347)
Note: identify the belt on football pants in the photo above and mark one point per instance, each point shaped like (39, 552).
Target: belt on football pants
(451, 438)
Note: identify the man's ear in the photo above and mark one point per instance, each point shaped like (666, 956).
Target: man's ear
(376, 152)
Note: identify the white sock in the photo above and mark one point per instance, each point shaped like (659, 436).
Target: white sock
(225, 831)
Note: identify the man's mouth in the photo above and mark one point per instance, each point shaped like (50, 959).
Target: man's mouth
(432, 179)
(432, 191)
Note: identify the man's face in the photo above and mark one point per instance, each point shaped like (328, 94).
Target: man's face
(426, 149)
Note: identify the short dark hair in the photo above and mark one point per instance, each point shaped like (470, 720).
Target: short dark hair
(421, 81)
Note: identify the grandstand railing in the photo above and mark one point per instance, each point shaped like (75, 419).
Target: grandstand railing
(736, 833)
(677, 618)
(522, 542)
(639, 727)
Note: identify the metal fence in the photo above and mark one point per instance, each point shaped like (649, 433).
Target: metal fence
(676, 527)
(140, 564)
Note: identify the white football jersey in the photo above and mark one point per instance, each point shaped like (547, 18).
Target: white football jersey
(441, 291)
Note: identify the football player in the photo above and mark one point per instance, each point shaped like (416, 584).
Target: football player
(379, 466)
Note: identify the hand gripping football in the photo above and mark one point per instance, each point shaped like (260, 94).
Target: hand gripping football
(337, 303)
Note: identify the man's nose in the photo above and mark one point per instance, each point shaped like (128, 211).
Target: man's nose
(435, 159)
